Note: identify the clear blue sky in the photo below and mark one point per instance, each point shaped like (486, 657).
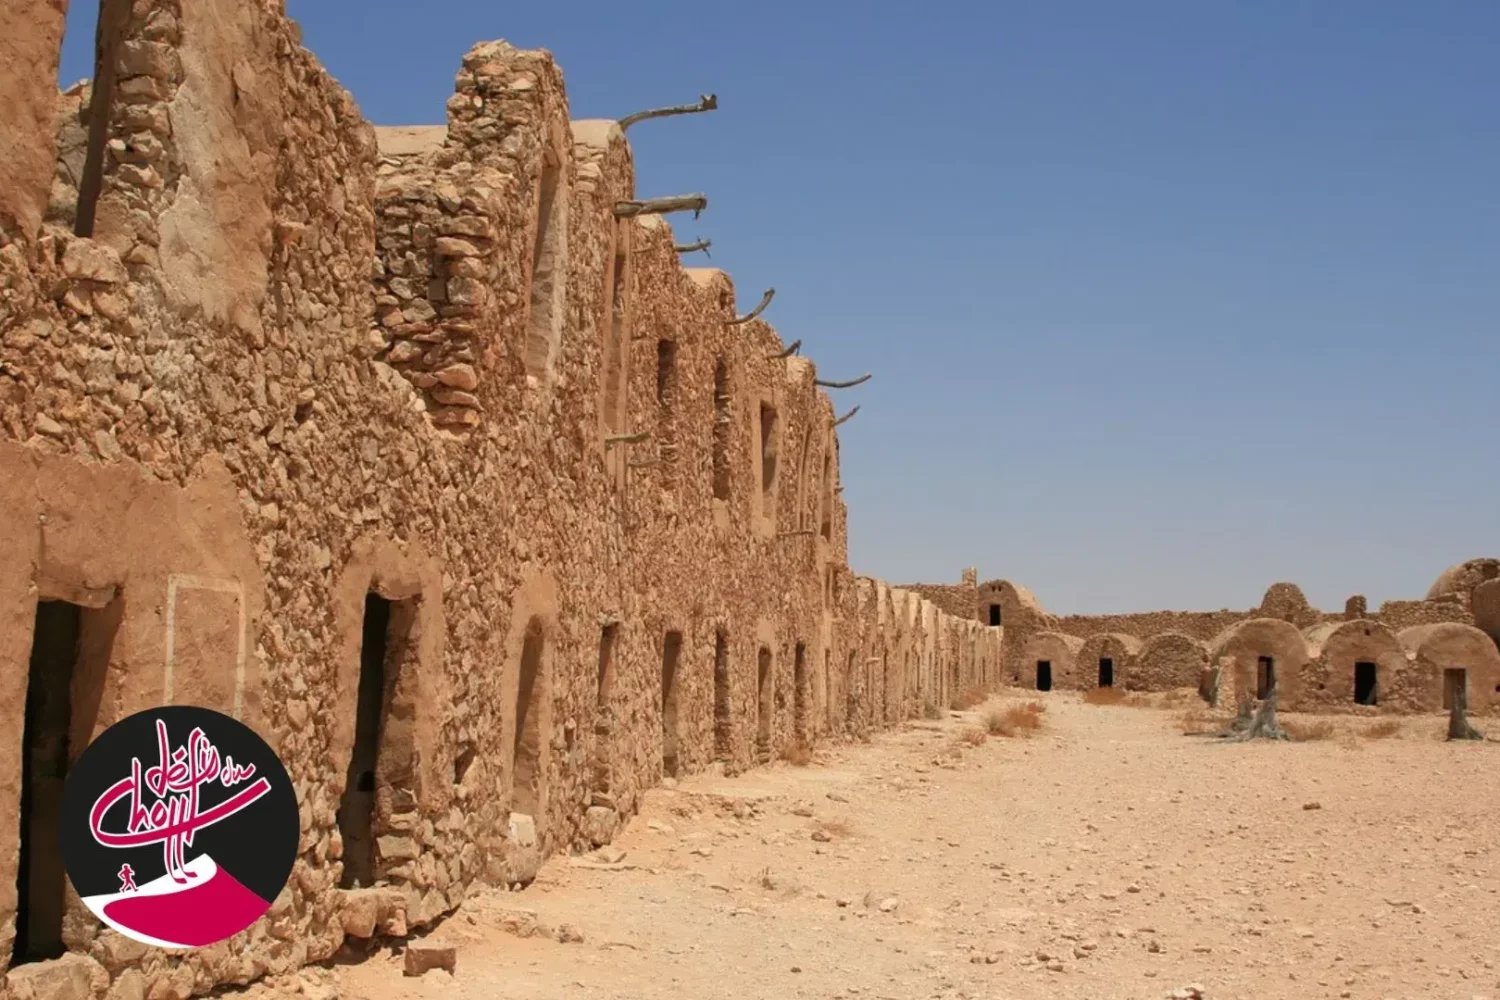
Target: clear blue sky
(1165, 300)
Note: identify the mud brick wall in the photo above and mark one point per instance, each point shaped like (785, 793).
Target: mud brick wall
(303, 376)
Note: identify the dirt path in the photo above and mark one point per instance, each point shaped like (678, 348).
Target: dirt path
(1108, 856)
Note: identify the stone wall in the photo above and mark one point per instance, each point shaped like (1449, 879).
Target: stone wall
(303, 376)
(1156, 650)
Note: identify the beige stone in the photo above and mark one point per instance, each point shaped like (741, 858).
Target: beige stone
(424, 956)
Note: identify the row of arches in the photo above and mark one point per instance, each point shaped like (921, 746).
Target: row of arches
(1359, 662)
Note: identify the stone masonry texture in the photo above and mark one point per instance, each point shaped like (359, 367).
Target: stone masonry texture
(304, 374)
(1406, 651)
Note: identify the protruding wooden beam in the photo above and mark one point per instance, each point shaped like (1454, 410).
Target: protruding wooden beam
(796, 346)
(694, 247)
(615, 439)
(846, 416)
(843, 385)
(706, 102)
(694, 203)
(765, 300)
(109, 35)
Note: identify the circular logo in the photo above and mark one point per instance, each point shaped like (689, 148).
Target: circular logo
(179, 826)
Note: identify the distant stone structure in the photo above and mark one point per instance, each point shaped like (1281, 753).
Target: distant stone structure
(1409, 656)
(418, 450)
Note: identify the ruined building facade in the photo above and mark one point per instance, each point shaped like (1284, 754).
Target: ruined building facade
(410, 452)
(1407, 656)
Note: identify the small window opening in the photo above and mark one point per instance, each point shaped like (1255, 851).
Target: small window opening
(722, 428)
(994, 615)
(526, 793)
(1364, 683)
(764, 704)
(666, 410)
(1044, 675)
(723, 718)
(1106, 672)
(671, 650)
(768, 459)
(1265, 677)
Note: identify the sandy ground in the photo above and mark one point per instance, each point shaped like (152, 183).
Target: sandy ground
(1107, 856)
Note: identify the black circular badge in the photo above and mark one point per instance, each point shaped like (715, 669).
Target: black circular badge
(179, 826)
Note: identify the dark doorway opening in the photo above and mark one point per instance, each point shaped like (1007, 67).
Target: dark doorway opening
(799, 693)
(764, 705)
(1364, 683)
(1044, 675)
(851, 696)
(1455, 679)
(723, 720)
(357, 808)
(604, 715)
(994, 614)
(41, 884)
(1265, 677)
(526, 791)
(671, 651)
(1106, 672)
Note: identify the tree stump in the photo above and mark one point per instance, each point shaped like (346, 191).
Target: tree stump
(1458, 718)
(1262, 725)
(1244, 713)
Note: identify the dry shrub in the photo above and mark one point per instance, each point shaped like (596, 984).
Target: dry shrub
(991, 717)
(1301, 732)
(1105, 696)
(1382, 730)
(1014, 720)
(931, 712)
(968, 698)
(797, 754)
(974, 736)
